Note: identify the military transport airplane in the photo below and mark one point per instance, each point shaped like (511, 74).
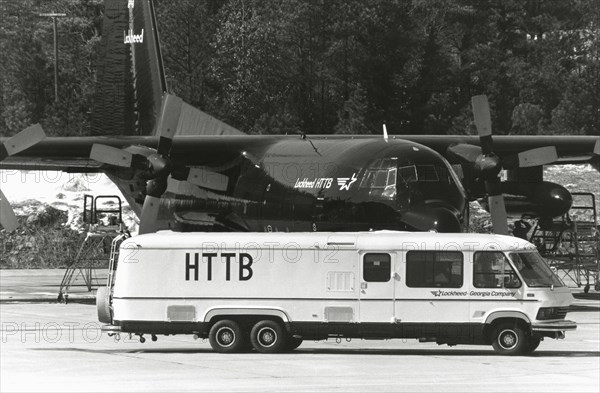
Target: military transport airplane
(181, 168)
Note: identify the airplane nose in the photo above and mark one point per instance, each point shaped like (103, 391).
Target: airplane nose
(432, 218)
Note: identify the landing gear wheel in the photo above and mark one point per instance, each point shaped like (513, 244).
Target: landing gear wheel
(586, 289)
(226, 337)
(510, 339)
(268, 337)
(293, 343)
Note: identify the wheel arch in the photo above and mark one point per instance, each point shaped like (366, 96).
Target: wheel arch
(498, 317)
(250, 315)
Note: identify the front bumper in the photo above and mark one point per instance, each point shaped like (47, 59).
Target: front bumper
(553, 326)
(111, 329)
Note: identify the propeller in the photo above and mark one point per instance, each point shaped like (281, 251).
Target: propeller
(16, 144)
(489, 164)
(158, 166)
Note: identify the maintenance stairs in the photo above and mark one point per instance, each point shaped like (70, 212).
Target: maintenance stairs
(105, 231)
(571, 245)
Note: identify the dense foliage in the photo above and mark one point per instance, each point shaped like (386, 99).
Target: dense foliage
(326, 66)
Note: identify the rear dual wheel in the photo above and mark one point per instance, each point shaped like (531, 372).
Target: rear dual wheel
(268, 337)
(226, 337)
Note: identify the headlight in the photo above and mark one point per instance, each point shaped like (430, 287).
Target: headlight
(552, 313)
(545, 313)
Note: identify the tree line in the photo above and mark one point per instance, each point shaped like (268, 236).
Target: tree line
(325, 66)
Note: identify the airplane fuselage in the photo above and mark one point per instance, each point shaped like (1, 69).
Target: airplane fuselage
(326, 185)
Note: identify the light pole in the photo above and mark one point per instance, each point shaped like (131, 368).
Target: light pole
(55, 15)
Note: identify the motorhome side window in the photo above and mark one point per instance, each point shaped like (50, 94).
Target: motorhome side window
(377, 267)
(492, 270)
(434, 269)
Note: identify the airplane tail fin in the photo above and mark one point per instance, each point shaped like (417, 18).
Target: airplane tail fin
(131, 79)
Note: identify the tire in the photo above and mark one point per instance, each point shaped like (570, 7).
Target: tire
(510, 339)
(532, 344)
(293, 343)
(226, 337)
(268, 337)
(102, 305)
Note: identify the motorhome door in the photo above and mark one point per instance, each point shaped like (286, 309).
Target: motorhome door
(376, 294)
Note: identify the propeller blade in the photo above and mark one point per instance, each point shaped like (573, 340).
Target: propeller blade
(498, 213)
(537, 157)
(7, 215)
(208, 179)
(497, 209)
(464, 153)
(169, 118)
(23, 140)
(149, 215)
(111, 155)
(483, 122)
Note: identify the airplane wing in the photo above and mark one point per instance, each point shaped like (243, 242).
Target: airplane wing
(72, 154)
(570, 149)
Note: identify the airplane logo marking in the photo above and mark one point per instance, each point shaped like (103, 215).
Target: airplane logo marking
(346, 182)
(133, 38)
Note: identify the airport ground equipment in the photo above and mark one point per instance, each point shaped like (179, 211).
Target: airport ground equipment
(572, 243)
(270, 291)
(103, 220)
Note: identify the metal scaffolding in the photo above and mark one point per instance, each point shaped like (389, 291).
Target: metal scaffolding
(103, 225)
(571, 245)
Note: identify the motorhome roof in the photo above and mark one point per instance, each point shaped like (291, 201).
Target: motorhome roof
(374, 240)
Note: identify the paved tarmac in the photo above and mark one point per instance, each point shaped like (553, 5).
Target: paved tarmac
(47, 346)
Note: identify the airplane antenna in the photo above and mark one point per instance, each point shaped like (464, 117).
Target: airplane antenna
(304, 136)
(385, 133)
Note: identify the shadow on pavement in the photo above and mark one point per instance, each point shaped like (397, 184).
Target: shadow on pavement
(337, 351)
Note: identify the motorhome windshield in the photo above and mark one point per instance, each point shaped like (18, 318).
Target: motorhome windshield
(534, 269)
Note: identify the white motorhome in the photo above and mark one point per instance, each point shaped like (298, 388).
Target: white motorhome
(270, 291)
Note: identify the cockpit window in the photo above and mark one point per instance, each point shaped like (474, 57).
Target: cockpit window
(408, 183)
(408, 174)
(381, 174)
(425, 174)
(428, 173)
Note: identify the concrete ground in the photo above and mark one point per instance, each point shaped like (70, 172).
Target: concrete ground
(47, 346)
